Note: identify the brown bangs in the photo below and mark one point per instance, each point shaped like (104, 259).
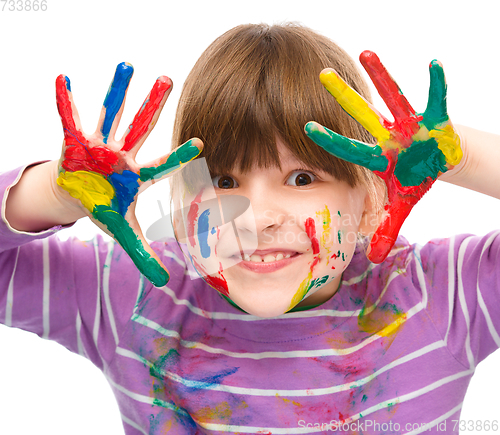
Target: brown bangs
(258, 83)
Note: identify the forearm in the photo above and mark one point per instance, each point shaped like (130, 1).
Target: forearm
(33, 205)
(478, 169)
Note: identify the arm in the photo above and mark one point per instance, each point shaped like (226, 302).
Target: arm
(478, 169)
(34, 203)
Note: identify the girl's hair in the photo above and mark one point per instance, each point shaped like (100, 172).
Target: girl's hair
(257, 83)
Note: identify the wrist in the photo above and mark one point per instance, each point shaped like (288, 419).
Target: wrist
(455, 174)
(37, 203)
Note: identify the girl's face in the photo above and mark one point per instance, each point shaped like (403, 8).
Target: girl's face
(289, 248)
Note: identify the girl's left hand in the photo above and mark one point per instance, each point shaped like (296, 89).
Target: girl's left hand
(411, 152)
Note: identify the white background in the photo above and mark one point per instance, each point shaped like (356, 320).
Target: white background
(46, 389)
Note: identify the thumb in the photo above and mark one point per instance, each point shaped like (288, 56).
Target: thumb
(128, 234)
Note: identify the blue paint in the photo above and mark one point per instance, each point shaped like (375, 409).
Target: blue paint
(212, 231)
(217, 378)
(68, 84)
(115, 96)
(203, 226)
(126, 187)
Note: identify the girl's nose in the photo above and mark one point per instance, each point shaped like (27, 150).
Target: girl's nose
(264, 213)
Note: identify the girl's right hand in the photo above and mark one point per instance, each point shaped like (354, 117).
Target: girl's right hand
(411, 152)
(100, 173)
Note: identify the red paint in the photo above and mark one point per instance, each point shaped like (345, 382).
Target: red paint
(315, 262)
(400, 201)
(218, 283)
(142, 120)
(192, 218)
(311, 233)
(405, 123)
(78, 156)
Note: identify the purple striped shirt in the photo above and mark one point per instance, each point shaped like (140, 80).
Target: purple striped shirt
(394, 349)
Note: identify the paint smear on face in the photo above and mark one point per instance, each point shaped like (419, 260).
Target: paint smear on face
(203, 225)
(192, 217)
(219, 283)
(310, 225)
(325, 217)
(305, 286)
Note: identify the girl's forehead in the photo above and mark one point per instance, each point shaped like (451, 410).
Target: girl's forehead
(287, 161)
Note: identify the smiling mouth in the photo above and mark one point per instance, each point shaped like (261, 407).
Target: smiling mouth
(269, 258)
(269, 262)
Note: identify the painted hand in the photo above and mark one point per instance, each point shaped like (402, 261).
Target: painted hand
(411, 152)
(101, 172)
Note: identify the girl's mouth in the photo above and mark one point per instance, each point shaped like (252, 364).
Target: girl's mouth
(269, 262)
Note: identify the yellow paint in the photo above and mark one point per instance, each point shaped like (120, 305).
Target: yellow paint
(326, 239)
(355, 105)
(219, 413)
(287, 401)
(301, 292)
(381, 322)
(90, 188)
(389, 329)
(449, 143)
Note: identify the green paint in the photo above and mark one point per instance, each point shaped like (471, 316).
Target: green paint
(392, 307)
(419, 161)
(347, 149)
(319, 281)
(128, 240)
(182, 155)
(364, 398)
(339, 235)
(436, 111)
(171, 358)
(339, 213)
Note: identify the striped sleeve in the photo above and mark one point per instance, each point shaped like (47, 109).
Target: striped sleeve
(80, 294)
(464, 294)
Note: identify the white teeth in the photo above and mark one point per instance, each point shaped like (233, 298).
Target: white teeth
(269, 258)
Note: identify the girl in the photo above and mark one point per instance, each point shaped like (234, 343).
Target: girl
(305, 334)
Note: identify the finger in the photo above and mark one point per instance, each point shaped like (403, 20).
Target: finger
(66, 107)
(389, 90)
(145, 120)
(436, 111)
(171, 162)
(347, 149)
(355, 105)
(131, 239)
(113, 103)
(387, 233)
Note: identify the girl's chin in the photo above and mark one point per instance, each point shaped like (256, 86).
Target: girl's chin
(262, 303)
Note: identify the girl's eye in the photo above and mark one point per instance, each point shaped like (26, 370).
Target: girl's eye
(300, 178)
(224, 182)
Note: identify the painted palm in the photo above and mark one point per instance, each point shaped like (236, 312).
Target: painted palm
(411, 152)
(102, 173)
